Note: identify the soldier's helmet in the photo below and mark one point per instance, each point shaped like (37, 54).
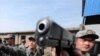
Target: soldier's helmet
(11, 36)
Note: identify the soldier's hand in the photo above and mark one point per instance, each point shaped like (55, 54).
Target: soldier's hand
(77, 53)
(53, 51)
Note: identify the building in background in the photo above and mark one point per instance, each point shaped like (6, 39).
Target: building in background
(18, 35)
(91, 15)
(26, 34)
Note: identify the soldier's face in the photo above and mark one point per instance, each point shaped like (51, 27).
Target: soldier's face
(84, 44)
(32, 44)
(11, 41)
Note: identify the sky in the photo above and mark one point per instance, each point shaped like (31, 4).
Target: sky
(23, 15)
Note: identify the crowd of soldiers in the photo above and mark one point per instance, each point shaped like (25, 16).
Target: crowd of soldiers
(84, 42)
(8, 48)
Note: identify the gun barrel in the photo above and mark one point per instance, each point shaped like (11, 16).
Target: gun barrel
(43, 26)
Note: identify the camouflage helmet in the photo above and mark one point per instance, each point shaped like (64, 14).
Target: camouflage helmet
(11, 36)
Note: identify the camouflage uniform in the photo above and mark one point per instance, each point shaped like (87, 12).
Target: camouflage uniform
(9, 50)
(12, 51)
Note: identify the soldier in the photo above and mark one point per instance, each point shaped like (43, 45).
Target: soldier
(10, 44)
(22, 45)
(11, 40)
(32, 47)
(84, 42)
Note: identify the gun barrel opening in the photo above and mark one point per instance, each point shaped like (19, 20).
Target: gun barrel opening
(41, 26)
